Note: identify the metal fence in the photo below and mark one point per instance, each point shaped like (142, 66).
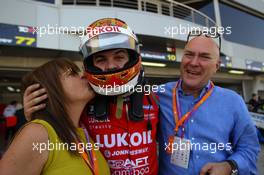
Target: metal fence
(163, 7)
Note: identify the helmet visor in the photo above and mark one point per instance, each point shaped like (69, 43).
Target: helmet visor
(109, 41)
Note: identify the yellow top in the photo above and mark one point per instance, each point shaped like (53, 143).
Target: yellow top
(61, 162)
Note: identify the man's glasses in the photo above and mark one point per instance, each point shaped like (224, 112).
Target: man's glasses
(215, 36)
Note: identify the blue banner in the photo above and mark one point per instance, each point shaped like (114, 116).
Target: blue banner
(17, 35)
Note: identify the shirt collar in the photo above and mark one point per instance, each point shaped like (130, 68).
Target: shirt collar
(204, 90)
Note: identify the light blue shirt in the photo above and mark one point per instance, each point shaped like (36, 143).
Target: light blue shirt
(220, 129)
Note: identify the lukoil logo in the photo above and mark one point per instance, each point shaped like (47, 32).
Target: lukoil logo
(118, 140)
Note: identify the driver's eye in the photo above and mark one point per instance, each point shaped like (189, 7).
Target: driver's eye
(120, 57)
(99, 60)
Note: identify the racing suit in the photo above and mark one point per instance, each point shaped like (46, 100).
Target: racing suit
(129, 146)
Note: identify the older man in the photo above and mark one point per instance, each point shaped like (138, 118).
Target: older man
(205, 129)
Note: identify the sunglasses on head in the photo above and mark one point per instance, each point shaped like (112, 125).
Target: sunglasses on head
(208, 34)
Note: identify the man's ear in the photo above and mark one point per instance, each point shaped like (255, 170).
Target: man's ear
(218, 64)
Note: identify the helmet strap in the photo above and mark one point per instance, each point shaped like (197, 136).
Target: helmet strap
(136, 106)
(136, 112)
(119, 106)
(101, 107)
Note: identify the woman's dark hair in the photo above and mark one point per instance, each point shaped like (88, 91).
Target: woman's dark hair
(55, 112)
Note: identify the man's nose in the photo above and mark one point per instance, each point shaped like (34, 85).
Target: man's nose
(111, 66)
(195, 60)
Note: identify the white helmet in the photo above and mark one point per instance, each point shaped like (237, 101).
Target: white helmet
(107, 34)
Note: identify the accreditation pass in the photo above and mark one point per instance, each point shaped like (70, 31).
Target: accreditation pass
(181, 152)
